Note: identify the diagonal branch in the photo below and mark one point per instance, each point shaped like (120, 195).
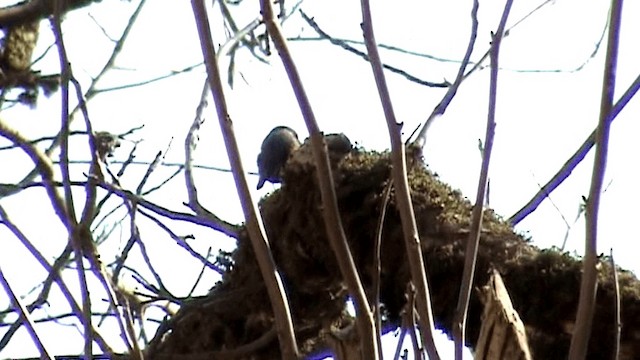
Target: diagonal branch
(25, 316)
(574, 160)
(453, 89)
(255, 227)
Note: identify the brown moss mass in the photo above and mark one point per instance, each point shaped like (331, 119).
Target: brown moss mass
(235, 319)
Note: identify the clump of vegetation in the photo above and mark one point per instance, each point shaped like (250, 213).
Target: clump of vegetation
(544, 284)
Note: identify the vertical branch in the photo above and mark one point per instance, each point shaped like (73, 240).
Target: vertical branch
(471, 251)
(588, 286)
(64, 128)
(95, 173)
(332, 220)
(374, 298)
(616, 307)
(74, 235)
(86, 300)
(403, 197)
(277, 295)
(190, 143)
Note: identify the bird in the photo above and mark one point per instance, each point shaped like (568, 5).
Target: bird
(276, 148)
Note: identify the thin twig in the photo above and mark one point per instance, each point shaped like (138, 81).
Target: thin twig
(90, 93)
(128, 337)
(160, 156)
(65, 69)
(402, 194)
(471, 251)
(365, 56)
(76, 237)
(171, 74)
(43, 166)
(180, 241)
(165, 164)
(190, 144)
(210, 221)
(403, 334)
(375, 276)
(421, 140)
(616, 307)
(25, 316)
(588, 286)
(507, 32)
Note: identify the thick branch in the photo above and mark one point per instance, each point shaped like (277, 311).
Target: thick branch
(36, 9)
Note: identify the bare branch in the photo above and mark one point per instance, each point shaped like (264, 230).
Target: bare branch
(43, 166)
(53, 276)
(36, 9)
(65, 68)
(451, 91)
(471, 250)
(574, 160)
(332, 221)
(210, 221)
(91, 92)
(344, 44)
(402, 192)
(616, 295)
(588, 286)
(25, 316)
(275, 289)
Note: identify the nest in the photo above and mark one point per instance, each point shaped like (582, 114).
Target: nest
(235, 319)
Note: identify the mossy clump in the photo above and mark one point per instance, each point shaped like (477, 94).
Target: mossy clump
(543, 284)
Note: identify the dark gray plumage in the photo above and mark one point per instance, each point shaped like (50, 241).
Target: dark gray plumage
(276, 149)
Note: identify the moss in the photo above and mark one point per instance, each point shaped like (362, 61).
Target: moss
(543, 284)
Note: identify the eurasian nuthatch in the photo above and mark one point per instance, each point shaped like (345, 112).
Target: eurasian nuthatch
(274, 153)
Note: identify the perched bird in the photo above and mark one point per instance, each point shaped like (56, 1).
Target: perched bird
(276, 149)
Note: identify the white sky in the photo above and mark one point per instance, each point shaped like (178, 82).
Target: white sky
(542, 117)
